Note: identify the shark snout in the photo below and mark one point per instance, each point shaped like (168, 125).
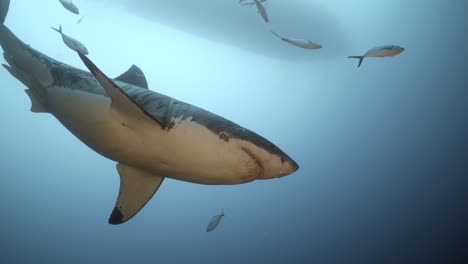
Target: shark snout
(269, 161)
(288, 166)
(277, 167)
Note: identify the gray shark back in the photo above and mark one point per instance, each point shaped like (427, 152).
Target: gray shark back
(165, 110)
(38, 71)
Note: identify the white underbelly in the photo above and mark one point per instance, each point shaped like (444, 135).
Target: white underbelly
(188, 151)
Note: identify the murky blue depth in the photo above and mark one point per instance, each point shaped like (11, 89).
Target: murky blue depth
(382, 148)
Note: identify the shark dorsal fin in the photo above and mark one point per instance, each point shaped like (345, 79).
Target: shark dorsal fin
(134, 76)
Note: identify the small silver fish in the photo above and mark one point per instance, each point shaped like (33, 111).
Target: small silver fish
(303, 43)
(71, 42)
(249, 2)
(380, 52)
(70, 6)
(214, 222)
(261, 10)
(79, 20)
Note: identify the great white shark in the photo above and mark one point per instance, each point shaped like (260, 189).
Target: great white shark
(149, 135)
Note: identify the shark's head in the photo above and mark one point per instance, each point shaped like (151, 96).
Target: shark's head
(271, 161)
(276, 166)
(288, 166)
(263, 159)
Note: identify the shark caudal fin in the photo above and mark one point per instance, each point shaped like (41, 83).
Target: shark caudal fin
(12, 51)
(4, 5)
(360, 58)
(26, 67)
(29, 66)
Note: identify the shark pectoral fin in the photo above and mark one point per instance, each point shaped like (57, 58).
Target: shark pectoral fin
(36, 105)
(137, 186)
(121, 102)
(134, 76)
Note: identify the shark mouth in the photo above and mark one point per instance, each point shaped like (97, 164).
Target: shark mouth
(258, 163)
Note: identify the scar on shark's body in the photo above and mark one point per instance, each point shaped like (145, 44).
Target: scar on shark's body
(224, 136)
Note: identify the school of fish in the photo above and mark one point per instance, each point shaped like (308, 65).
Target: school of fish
(377, 52)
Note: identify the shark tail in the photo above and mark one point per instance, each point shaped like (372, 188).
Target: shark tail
(29, 66)
(25, 64)
(360, 58)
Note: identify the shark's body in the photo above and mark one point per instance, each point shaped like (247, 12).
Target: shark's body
(151, 136)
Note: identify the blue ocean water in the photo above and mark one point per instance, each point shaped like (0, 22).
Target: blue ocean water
(382, 148)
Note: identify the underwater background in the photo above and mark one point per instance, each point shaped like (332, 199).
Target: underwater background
(382, 149)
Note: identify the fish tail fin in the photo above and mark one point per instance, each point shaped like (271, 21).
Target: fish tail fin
(274, 33)
(360, 58)
(59, 30)
(4, 5)
(222, 212)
